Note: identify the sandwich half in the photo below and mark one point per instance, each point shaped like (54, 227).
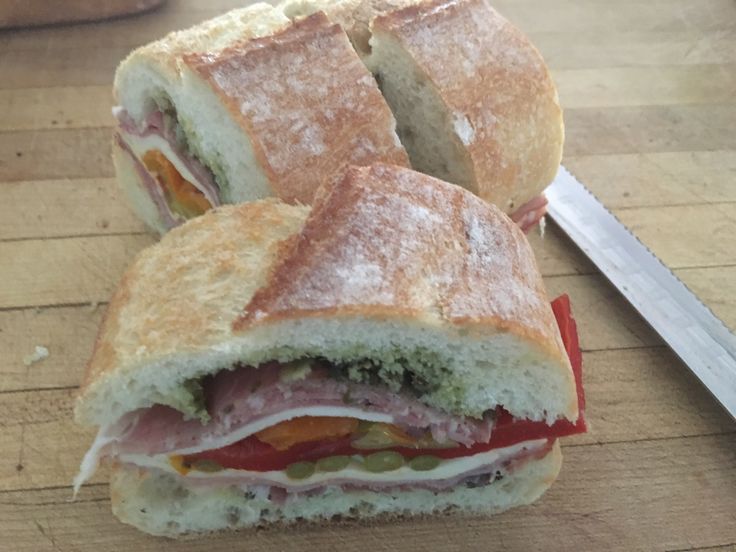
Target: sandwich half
(242, 107)
(474, 101)
(391, 352)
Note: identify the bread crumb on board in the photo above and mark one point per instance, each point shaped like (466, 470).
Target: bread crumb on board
(38, 354)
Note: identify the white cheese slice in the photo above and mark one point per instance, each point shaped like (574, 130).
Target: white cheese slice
(106, 437)
(139, 145)
(91, 459)
(273, 419)
(354, 473)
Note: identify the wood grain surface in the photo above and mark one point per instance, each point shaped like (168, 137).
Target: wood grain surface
(649, 91)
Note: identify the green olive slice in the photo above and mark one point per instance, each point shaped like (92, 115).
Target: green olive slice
(205, 465)
(424, 462)
(383, 461)
(333, 463)
(300, 470)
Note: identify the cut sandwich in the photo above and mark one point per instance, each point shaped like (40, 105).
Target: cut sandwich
(390, 352)
(242, 107)
(474, 101)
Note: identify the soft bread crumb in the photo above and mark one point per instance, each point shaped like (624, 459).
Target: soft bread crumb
(164, 505)
(38, 354)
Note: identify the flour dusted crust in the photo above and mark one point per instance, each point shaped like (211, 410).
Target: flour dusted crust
(392, 261)
(391, 265)
(389, 242)
(164, 55)
(307, 102)
(494, 94)
(496, 88)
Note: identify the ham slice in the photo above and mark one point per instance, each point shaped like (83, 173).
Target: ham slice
(168, 217)
(155, 125)
(529, 214)
(245, 400)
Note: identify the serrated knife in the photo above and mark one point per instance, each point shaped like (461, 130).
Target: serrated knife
(691, 330)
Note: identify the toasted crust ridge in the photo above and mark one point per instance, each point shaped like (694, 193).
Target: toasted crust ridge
(180, 295)
(464, 261)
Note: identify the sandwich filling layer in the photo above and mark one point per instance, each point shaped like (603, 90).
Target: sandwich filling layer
(382, 470)
(303, 425)
(178, 182)
(181, 186)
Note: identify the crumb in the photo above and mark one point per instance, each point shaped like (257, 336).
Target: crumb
(38, 355)
(93, 306)
(542, 226)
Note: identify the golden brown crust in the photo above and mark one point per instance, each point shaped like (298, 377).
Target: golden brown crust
(386, 242)
(496, 87)
(182, 293)
(307, 102)
(214, 34)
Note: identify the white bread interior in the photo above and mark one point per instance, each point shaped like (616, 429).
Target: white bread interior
(354, 16)
(425, 126)
(164, 505)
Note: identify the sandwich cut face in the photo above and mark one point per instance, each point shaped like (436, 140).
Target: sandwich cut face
(396, 344)
(244, 107)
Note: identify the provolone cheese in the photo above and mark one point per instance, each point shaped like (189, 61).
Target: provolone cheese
(354, 473)
(105, 437)
(268, 421)
(139, 145)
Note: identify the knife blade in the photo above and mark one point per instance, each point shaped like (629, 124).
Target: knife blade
(692, 331)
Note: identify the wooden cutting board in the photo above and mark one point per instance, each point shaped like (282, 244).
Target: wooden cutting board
(29, 13)
(648, 89)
